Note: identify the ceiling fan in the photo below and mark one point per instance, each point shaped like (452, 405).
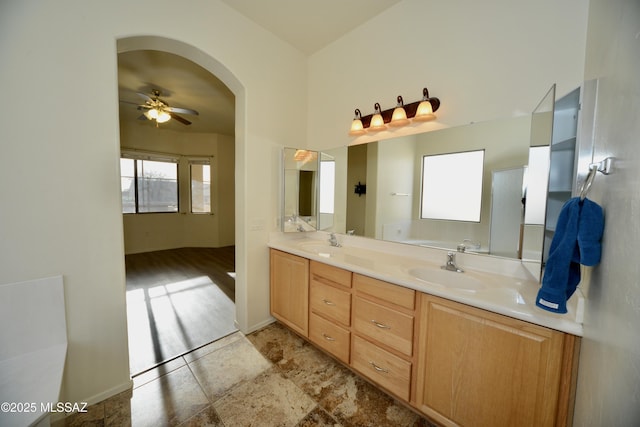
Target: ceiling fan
(159, 110)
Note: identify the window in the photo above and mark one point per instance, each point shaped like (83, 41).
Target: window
(200, 186)
(148, 185)
(452, 186)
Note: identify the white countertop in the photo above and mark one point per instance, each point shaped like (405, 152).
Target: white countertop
(498, 285)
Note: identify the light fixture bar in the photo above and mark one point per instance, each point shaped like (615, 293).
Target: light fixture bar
(410, 110)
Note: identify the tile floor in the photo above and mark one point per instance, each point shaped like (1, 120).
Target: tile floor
(268, 378)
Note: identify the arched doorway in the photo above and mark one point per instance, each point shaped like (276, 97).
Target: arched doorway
(147, 237)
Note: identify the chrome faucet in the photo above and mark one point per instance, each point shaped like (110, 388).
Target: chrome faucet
(451, 263)
(333, 240)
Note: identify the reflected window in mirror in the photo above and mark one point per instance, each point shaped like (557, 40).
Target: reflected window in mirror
(452, 186)
(327, 186)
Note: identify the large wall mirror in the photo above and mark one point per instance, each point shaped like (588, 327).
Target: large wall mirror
(507, 167)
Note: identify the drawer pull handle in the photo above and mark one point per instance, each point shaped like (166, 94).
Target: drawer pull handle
(378, 368)
(328, 338)
(380, 325)
(326, 301)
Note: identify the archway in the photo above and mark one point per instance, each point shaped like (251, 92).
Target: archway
(205, 61)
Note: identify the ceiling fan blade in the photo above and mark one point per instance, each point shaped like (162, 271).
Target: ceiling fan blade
(145, 96)
(143, 117)
(180, 119)
(129, 102)
(144, 107)
(182, 110)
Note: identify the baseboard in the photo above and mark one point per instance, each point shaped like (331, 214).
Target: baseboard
(97, 398)
(255, 327)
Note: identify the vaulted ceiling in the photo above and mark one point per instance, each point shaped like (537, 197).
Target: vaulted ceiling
(307, 25)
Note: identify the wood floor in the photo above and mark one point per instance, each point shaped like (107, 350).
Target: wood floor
(178, 300)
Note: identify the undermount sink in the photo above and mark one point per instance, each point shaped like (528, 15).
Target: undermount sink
(450, 279)
(321, 249)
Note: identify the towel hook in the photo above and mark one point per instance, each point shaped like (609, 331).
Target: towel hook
(604, 167)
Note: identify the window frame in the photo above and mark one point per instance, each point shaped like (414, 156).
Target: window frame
(479, 183)
(136, 157)
(200, 162)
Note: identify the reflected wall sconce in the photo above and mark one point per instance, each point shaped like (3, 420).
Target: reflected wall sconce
(401, 115)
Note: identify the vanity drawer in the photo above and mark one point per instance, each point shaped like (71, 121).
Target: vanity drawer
(330, 337)
(383, 324)
(382, 367)
(331, 302)
(322, 273)
(394, 294)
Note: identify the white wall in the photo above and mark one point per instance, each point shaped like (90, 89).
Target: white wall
(151, 232)
(483, 60)
(59, 169)
(609, 374)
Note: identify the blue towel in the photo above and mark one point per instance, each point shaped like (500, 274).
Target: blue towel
(577, 240)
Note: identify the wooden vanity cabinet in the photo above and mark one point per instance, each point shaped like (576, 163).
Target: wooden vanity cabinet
(383, 333)
(458, 365)
(289, 290)
(476, 368)
(330, 305)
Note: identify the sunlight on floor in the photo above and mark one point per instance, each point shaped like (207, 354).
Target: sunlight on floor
(168, 320)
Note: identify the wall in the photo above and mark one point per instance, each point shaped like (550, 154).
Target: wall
(609, 375)
(483, 60)
(59, 171)
(150, 232)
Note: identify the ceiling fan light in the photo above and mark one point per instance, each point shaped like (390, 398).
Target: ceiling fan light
(163, 117)
(151, 114)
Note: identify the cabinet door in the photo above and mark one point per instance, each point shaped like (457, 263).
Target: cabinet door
(477, 368)
(289, 276)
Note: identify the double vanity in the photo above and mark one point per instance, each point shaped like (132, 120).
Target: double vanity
(462, 348)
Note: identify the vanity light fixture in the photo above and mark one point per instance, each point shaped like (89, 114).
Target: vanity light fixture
(356, 125)
(305, 156)
(401, 115)
(377, 121)
(425, 109)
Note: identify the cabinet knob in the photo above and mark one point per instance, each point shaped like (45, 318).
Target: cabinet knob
(326, 301)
